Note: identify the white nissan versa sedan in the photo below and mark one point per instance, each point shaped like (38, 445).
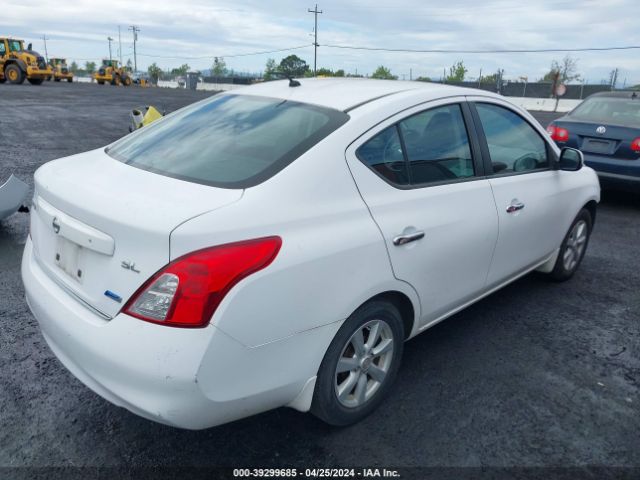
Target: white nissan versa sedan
(275, 246)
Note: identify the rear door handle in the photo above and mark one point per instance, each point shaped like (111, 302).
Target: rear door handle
(407, 238)
(514, 207)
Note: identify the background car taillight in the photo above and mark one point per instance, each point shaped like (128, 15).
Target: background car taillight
(187, 292)
(635, 145)
(558, 134)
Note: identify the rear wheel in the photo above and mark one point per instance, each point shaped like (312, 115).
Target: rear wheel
(69, 80)
(100, 82)
(14, 74)
(56, 79)
(36, 81)
(573, 247)
(126, 81)
(360, 365)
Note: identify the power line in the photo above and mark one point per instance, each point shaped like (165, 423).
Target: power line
(225, 56)
(315, 12)
(433, 50)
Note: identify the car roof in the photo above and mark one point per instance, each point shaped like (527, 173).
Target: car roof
(348, 93)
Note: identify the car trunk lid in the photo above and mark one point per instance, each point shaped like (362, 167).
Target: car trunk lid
(600, 139)
(101, 228)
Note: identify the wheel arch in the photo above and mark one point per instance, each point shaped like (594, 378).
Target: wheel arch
(403, 303)
(592, 206)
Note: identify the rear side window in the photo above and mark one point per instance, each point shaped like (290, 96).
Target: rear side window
(437, 145)
(228, 141)
(514, 145)
(427, 148)
(610, 110)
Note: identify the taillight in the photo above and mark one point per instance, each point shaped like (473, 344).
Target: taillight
(558, 134)
(187, 292)
(635, 145)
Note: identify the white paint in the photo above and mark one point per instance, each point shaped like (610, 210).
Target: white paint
(544, 104)
(267, 338)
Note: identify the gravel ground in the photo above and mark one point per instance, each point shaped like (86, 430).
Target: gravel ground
(536, 375)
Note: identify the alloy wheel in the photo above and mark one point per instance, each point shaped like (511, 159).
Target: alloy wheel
(364, 363)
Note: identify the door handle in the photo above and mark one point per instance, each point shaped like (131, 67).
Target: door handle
(407, 238)
(514, 207)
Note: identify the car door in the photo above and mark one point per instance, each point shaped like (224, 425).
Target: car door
(421, 176)
(527, 191)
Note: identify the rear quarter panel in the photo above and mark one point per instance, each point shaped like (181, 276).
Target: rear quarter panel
(333, 257)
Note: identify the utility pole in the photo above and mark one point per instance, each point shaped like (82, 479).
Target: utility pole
(46, 55)
(134, 29)
(119, 45)
(315, 12)
(109, 39)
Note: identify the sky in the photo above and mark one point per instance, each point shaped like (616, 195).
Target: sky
(194, 31)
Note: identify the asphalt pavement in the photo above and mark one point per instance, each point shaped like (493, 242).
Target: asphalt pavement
(538, 374)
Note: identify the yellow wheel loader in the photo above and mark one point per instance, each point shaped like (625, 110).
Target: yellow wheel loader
(111, 72)
(18, 64)
(60, 70)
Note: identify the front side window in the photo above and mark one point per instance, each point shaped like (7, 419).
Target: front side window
(514, 145)
(2, 48)
(14, 46)
(426, 148)
(228, 141)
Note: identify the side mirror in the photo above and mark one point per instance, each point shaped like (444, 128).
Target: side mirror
(571, 160)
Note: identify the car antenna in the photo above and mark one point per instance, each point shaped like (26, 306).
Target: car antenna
(293, 82)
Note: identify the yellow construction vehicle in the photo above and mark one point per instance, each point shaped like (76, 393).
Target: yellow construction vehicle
(18, 64)
(111, 72)
(60, 70)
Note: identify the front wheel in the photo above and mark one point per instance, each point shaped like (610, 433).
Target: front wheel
(36, 81)
(360, 365)
(14, 74)
(573, 247)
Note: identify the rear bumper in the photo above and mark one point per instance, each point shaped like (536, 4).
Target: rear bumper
(612, 171)
(188, 378)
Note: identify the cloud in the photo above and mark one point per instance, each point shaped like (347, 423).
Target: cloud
(199, 28)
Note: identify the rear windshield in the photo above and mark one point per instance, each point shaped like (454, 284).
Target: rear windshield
(616, 111)
(228, 141)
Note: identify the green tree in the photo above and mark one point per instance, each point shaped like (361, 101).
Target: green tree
(566, 70)
(74, 67)
(293, 66)
(90, 67)
(181, 70)
(423, 79)
(457, 71)
(154, 72)
(383, 73)
(270, 69)
(325, 72)
(219, 67)
(338, 73)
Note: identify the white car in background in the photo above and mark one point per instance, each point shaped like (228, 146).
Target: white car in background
(277, 245)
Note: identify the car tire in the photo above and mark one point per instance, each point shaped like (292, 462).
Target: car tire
(14, 74)
(574, 245)
(374, 365)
